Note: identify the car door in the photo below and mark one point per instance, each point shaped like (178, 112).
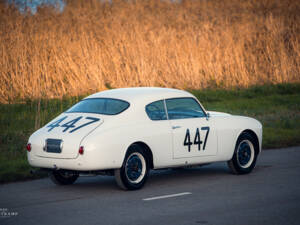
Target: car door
(194, 135)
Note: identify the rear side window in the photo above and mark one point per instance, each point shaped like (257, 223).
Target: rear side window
(156, 110)
(105, 106)
(183, 108)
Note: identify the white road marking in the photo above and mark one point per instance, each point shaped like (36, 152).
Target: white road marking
(167, 196)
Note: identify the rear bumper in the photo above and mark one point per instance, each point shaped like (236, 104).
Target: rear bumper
(81, 163)
(55, 163)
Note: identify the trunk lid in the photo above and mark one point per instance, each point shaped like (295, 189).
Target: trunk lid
(61, 137)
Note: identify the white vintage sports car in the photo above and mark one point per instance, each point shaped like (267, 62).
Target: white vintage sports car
(126, 132)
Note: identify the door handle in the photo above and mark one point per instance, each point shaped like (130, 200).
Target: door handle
(176, 127)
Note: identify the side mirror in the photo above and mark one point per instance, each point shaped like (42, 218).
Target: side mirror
(207, 116)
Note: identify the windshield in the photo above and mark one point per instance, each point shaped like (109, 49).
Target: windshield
(107, 106)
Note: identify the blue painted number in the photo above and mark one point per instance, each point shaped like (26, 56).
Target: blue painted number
(71, 123)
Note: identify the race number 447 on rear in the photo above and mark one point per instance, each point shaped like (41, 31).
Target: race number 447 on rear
(197, 139)
(71, 124)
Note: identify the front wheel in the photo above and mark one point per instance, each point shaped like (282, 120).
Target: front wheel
(245, 154)
(63, 178)
(134, 171)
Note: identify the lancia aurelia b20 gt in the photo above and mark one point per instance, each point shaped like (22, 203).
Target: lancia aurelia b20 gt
(126, 132)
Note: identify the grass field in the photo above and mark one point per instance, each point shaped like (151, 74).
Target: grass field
(92, 46)
(276, 106)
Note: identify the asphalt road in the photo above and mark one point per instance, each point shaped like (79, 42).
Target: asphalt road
(208, 195)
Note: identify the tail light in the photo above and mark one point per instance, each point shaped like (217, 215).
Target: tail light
(28, 147)
(81, 150)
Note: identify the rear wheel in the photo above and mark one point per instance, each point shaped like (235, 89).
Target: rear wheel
(63, 178)
(135, 169)
(245, 154)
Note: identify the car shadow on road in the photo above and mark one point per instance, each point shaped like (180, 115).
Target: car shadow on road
(97, 185)
(43, 191)
(165, 177)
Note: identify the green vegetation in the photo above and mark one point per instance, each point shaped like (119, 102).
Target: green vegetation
(17, 123)
(276, 106)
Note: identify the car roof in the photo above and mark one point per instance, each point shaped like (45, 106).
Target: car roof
(146, 94)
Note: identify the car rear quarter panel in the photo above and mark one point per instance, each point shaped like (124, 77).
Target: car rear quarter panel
(106, 148)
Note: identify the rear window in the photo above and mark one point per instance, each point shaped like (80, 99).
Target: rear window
(105, 106)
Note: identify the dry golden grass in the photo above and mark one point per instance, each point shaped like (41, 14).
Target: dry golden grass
(93, 46)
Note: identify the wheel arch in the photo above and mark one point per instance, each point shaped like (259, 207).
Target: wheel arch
(255, 137)
(146, 149)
